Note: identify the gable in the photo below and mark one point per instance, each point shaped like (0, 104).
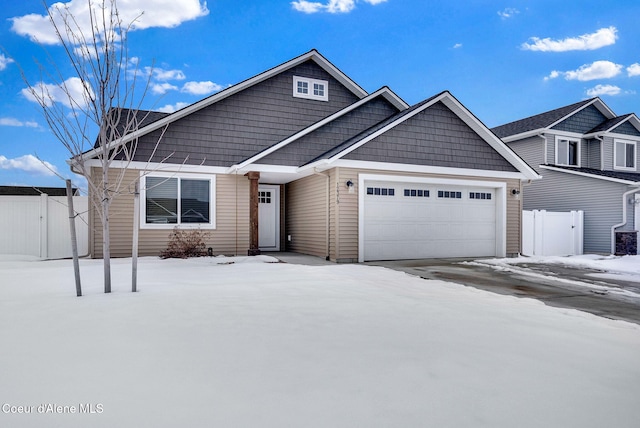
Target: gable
(627, 129)
(436, 137)
(582, 121)
(237, 127)
(331, 135)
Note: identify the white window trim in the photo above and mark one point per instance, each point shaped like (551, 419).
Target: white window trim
(212, 201)
(310, 83)
(578, 155)
(615, 154)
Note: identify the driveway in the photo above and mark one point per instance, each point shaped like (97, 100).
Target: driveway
(551, 284)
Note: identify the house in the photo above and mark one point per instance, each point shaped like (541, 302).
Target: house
(301, 158)
(36, 191)
(588, 157)
(34, 222)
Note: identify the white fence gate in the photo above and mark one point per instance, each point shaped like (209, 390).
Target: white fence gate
(39, 226)
(547, 233)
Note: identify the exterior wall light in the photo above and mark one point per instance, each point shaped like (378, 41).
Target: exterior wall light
(350, 186)
(515, 193)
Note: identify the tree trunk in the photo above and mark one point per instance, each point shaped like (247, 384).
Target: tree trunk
(134, 247)
(74, 240)
(106, 246)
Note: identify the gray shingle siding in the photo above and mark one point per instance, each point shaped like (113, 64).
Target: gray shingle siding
(582, 122)
(627, 129)
(235, 128)
(435, 137)
(323, 139)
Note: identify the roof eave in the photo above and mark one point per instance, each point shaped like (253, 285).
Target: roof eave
(586, 174)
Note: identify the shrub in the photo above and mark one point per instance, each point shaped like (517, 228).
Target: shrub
(186, 243)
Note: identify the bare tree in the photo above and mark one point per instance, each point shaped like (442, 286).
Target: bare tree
(102, 95)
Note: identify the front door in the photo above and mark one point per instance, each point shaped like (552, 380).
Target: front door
(269, 218)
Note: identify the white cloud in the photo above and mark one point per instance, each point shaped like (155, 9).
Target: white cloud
(597, 70)
(161, 74)
(145, 13)
(602, 37)
(71, 93)
(633, 70)
(307, 6)
(554, 74)
(509, 12)
(201, 88)
(28, 163)
(603, 90)
(332, 6)
(457, 46)
(10, 121)
(169, 108)
(162, 88)
(4, 61)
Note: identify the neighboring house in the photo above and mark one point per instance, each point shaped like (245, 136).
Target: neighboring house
(588, 158)
(301, 158)
(34, 221)
(36, 191)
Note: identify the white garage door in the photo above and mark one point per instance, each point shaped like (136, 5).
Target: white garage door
(418, 220)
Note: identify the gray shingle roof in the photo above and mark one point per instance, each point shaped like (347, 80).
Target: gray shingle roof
(143, 117)
(539, 121)
(628, 176)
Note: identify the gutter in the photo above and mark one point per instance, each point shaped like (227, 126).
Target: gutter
(625, 195)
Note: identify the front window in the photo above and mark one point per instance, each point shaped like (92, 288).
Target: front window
(170, 201)
(567, 152)
(625, 155)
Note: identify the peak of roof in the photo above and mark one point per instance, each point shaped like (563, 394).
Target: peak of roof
(609, 124)
(539, 121)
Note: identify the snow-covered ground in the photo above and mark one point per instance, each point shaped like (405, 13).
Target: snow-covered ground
(246, 343)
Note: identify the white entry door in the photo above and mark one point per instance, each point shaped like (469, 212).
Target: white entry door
(269, 218)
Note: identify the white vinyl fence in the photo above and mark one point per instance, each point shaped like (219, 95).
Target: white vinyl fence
(547, 233)
(39, 226)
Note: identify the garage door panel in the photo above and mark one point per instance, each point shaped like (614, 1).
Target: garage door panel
(403, 227)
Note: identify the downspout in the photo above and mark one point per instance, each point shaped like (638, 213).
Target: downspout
(328, 211)
(625, 195)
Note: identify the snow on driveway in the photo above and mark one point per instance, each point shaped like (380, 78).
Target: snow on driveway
(255, 344)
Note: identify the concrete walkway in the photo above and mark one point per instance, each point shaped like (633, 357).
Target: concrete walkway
(299, 259)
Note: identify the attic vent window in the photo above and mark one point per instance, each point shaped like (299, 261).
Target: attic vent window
(313, 89)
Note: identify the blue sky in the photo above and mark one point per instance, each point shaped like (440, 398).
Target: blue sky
(504, 60)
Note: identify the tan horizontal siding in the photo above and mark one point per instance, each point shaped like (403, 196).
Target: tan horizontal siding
(307, 215)
(230, 237)
(514, 219)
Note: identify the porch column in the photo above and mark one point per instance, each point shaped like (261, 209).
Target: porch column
(253, 176)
